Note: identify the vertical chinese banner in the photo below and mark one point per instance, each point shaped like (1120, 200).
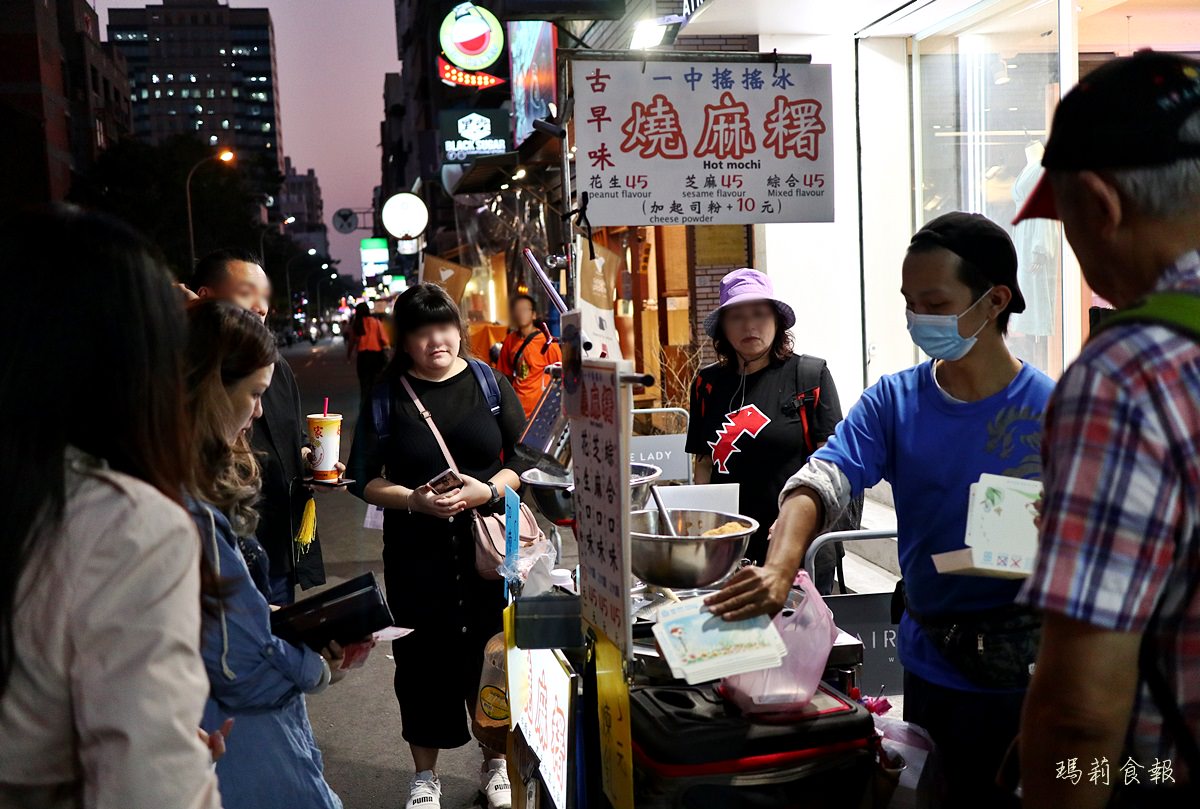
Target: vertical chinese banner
(600, 413)
(616, 733)
(670, 142)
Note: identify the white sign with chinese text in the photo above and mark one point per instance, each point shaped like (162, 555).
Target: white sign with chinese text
(600, 411)
(545, 715)
(704, 143)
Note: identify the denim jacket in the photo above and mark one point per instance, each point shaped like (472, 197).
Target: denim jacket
(271, 759)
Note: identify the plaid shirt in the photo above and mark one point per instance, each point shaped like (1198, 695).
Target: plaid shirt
(1121, 528)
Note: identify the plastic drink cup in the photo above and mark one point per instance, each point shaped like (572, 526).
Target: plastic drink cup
(325, 433)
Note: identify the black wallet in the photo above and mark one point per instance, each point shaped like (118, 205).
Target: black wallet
(346, 613)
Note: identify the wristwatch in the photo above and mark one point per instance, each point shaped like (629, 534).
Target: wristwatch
(495, 493)
(326, 678)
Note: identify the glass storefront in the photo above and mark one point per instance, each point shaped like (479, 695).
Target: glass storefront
(986, 91)
(985, 85)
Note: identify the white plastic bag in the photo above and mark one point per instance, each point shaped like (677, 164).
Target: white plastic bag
(808, 633)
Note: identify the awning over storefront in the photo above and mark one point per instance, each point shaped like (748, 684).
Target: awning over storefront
(787, 17)
(487, 174)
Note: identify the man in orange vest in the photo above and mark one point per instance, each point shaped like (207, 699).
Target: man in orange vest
(526, 353)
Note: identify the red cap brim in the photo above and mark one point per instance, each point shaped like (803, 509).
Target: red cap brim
(1040, 204)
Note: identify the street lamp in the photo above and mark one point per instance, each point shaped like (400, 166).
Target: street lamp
(287, 273)
(224, 156)
(263, 233)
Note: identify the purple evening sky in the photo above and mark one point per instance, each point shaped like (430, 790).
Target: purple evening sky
(331, 58)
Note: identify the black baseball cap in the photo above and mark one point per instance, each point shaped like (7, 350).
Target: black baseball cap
(978, 240)
(1126, 114)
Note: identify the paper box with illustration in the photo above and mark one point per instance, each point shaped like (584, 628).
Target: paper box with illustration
(1001, 533)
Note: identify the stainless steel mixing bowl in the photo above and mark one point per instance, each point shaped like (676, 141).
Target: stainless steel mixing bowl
(688, 560)
(553, 492)
(641, 477)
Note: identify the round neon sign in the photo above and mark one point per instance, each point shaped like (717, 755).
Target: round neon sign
(471, 37)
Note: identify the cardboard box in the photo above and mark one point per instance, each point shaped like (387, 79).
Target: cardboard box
(984, 562)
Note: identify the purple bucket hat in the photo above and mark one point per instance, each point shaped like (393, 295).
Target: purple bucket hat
(746, 286)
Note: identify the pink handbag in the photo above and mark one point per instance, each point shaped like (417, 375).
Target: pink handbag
(489, 529)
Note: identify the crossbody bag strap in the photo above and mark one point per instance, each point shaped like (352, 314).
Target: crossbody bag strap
(425, 414)
(521, 351)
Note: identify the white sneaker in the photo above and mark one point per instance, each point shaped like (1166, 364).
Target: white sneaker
(425, 792)
(494, 785)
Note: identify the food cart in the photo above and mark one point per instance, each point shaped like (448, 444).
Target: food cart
(597, 715)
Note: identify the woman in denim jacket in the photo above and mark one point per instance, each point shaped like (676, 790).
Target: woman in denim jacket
(271, 759)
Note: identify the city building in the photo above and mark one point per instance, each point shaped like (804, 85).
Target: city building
(300, 197)
(414, 101)
(202, 67)
(63, 97)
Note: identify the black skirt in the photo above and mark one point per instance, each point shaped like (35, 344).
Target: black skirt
(433, 588)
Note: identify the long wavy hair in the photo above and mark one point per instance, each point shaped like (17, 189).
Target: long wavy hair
(225, 345)
(98, 369)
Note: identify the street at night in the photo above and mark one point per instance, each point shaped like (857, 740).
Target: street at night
(600, 404)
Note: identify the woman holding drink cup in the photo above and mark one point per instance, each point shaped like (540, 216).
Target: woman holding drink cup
(271, 759)
(429, 548)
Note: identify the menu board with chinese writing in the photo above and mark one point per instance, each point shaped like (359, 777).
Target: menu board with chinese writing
(545, 720)
(599, 411)
(541, 688)
(704, 143)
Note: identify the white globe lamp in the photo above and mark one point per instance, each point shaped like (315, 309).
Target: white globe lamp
(405, 216)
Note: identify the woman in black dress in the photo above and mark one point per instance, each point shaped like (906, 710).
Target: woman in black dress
(428, 546)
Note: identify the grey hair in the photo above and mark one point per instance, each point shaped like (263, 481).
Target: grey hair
(1164, 192)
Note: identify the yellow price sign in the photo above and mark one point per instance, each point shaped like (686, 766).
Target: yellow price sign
(616, 739)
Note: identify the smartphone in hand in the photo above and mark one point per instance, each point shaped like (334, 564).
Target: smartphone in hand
(445, 482)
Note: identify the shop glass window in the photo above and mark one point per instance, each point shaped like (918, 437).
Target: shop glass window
(985, 93)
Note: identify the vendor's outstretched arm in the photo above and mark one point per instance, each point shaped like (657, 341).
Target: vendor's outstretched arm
(764, 590)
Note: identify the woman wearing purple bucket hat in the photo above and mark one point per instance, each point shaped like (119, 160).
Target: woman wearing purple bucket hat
(761, 409)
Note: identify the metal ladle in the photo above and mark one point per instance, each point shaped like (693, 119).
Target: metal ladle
(664, 519)
(664, 515)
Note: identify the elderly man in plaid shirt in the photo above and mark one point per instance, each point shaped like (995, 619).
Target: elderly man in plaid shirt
(1113, 710)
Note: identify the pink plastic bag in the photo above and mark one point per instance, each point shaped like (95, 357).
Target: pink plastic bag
(808, 633)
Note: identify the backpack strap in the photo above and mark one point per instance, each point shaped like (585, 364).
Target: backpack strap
(381, 409)
(1179, 311)
(809, 371)
(487, 381)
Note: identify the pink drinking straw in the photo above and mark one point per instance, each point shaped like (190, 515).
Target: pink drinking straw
(326, 405)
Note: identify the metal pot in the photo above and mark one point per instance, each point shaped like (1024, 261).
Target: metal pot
(687, 560)
(553, 491)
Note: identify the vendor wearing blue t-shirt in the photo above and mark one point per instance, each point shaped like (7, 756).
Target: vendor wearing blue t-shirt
(931, 431)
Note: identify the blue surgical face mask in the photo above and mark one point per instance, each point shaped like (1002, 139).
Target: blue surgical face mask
(937, 335)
